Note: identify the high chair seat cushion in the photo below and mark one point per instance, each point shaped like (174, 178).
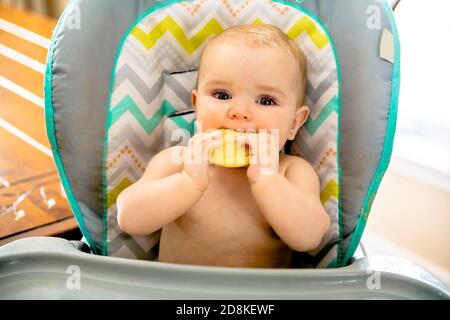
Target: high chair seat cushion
(153, 79)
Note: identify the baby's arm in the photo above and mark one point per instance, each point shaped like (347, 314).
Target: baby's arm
(160, 196)
(291, 204)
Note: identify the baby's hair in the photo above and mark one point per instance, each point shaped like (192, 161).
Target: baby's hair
(265, 36)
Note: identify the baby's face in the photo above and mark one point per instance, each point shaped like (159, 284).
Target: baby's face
(249, 88)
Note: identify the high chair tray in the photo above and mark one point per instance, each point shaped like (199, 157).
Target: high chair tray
(52, 268)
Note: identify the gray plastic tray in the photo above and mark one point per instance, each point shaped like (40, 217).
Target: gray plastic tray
(51, 268)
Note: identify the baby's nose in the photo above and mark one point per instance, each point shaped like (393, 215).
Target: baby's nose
(240, 113)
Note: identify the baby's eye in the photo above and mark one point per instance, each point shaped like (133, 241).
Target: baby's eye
(221, 95)
(267, 101)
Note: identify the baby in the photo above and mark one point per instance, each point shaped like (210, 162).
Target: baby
(251, 79)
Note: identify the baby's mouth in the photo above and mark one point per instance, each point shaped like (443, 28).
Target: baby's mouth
(239, 130)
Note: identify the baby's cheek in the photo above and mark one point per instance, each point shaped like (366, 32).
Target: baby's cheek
(208, 118)
(272, 127)
(280, 134)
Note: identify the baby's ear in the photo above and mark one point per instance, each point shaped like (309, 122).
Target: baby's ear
(300, 117)
(194, 99)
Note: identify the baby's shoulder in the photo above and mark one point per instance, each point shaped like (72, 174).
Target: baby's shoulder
(168, 152)
(165, 162)
(288, 159)
(294, 163)
(301, 173)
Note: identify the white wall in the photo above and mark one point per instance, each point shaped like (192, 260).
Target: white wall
(411, 218)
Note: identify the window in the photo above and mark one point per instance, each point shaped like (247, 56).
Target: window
(422, 142)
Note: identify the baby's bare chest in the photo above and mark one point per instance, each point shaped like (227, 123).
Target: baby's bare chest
(224, 227)
(227, 206)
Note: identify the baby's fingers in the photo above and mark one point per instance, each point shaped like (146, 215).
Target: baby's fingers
(250, 140)
(214, 135)
(208, 146)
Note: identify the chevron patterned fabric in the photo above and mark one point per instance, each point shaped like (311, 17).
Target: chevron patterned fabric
(154, 75)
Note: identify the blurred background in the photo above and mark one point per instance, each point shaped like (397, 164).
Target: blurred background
(52, 8)
(410, 216)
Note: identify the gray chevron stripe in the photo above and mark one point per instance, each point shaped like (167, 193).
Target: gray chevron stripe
(311, 154)
(125, 239)
(327, 71)
(319, 63)
(314, 94)
(317, 70)
(161, 137)
(132, 50)
(314, 152)
(168, 50)
(160, 55)
(114, 232)
(332, 202)
(308, 101)
(149, 94)
(329, 171)
(175, 84)
(170, 55)
(147, 252)
(165, 52)
(117, 174)
(160, 141)
(170, 141)
(148, 61)
(127, 132)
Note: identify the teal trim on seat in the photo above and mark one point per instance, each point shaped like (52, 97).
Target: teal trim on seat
(50, 127)
(332, 264)
(388, 143)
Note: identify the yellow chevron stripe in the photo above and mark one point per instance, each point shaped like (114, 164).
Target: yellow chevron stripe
(307, 25)
(170, 25)
(213, 27)
(331, 190)
(258, 21)
(111, 197)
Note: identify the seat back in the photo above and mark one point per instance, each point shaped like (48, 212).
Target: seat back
(109, 110)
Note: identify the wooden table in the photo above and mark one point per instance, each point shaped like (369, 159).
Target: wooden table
(32, 201)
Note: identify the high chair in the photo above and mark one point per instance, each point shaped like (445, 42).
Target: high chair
(117, 91)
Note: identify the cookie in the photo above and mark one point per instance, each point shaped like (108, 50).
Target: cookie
(231, 154)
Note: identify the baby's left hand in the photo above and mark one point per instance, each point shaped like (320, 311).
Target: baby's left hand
(264, 155)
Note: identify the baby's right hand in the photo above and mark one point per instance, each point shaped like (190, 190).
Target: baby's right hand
(196, 163)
